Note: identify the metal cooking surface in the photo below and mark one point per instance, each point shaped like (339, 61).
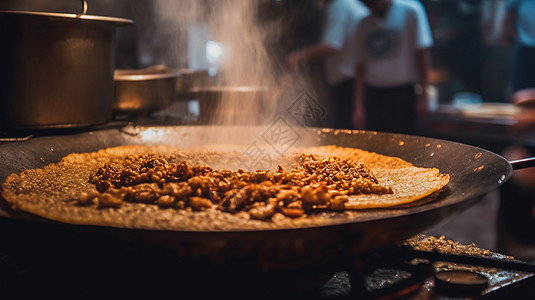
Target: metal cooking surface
(301, 252)
(473, 171)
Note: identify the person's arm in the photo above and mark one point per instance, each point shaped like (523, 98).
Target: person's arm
(359, 113)
(509, 29)
(423, 59)
(424, 42)
(319, 51)
(333, 38)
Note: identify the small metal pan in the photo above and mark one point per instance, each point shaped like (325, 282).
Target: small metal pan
(140, 92)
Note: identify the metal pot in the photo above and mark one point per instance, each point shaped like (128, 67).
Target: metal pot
(190, 81)
(57, 69)
(144, 91)
(236, 105)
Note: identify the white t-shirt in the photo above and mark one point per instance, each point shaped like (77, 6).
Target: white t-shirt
(525, 26)
(342, 19)
(387, 46)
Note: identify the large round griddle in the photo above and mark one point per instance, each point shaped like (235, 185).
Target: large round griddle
(473, 172)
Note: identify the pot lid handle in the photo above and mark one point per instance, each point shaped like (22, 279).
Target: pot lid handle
(84, 8)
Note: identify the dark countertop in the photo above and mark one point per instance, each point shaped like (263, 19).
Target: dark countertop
(492, 133)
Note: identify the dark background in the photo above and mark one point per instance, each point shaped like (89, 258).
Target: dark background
(467, 56)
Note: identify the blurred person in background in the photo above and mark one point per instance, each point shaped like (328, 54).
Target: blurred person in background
(392, 62)
(336, 49)
(519, 32)
(516, 217)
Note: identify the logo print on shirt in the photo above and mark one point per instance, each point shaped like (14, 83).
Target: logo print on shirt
(382, 43)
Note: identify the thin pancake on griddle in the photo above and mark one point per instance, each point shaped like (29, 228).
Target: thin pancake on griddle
(52, 192)
(408, 182)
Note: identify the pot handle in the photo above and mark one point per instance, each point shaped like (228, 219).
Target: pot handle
(523, 163)
(84, 8)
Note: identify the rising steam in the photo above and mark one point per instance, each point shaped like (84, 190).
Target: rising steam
(261, 93)
(247, 60)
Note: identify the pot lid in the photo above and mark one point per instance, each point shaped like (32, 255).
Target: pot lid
(116, 21)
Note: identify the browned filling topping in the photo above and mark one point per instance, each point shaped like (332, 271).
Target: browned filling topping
(315, 184)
